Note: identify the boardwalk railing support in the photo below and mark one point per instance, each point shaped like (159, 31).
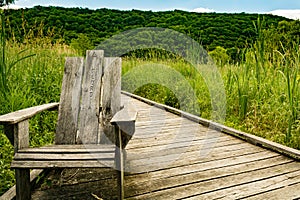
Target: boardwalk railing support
(124, 124)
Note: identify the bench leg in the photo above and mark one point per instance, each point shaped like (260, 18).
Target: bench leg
(23, 190)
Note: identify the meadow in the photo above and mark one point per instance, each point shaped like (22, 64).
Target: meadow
(262, 90)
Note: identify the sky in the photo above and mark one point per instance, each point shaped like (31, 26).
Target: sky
(287, 8)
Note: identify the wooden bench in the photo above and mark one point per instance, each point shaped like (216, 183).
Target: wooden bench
(92, 129)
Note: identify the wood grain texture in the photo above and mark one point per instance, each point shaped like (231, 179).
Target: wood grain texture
(21, 135)
(63, 164)
(69, 102)
(172, 157)
(90, 100)
(20, 115)
(110, 97)
(23, 189)
(294, 153)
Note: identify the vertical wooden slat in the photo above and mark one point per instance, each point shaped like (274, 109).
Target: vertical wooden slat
(21, 135)
(23, 190)
(90, 100)
(69, 101)
(21, 140)
(111, 97)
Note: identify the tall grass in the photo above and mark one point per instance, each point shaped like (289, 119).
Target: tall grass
(28, 78)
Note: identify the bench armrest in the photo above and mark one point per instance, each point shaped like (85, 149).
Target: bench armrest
(24, 114)
(127, 114)
(124, 121)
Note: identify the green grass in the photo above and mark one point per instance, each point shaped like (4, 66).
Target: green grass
(262, 94)
(32, 81)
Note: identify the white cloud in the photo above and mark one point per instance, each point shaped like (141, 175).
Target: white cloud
(203, 10)
(12, 6)
(292, 14)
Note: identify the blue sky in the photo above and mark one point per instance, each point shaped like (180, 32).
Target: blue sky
(249, 6)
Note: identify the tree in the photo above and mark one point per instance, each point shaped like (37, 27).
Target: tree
(82, 43)
(220, 56)
(6, 2)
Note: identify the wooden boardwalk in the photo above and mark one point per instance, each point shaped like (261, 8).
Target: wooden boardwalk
(171, 157)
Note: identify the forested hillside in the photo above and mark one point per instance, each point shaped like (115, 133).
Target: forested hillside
(230, 31)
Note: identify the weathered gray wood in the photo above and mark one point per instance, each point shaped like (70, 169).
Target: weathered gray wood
(90, 100)
(257, 187)
(69, 102)
(227, 167)
(110, 97)
(290, 191)
(186, 158)
(20, 115)
(245, 136)
(70, 149)
(21, 135)
(11, 193)
(211, 185)
(230, 163)
(62, 164)
(125, 120)
(23, 189)
(21, 140)
(64, 156)
(200, 175)
(127, 114)
(119, 163)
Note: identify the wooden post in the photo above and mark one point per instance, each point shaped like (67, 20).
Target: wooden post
(23, 189)
(21, 140)
(119, 160)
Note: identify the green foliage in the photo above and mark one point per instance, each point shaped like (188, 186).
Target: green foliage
(32, 81)
(210, 29)
(81, 44)
(220, 56)
(6, 2)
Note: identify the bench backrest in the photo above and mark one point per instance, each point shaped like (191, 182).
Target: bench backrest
(90, 96)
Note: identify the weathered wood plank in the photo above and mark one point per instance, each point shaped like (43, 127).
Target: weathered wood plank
(253, 188)
(69, 101)
(186, 158)
(69, 149)
(110, 97)
(62, 164)
(90, 100)
(290, 191)
(199, 166)
(193, 188)
(175, 140)
(20, 115)
(64, 156)
(21, 135)
(200, 175)
(242, 135)
(179, 148)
